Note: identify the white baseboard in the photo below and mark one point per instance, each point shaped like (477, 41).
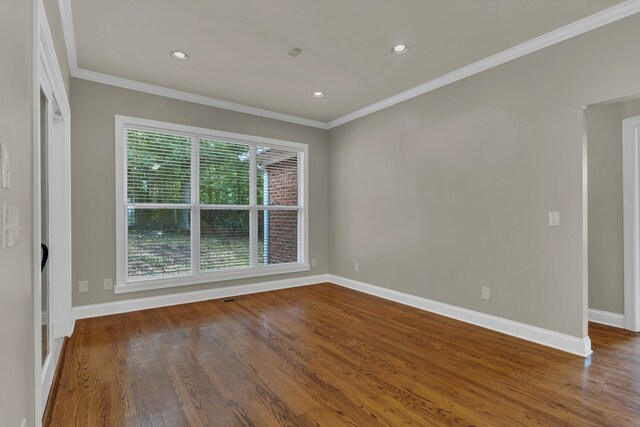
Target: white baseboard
(568, 343)
(606, 318)
(125, 306)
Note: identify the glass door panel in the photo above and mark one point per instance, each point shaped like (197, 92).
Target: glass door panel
(44, 225)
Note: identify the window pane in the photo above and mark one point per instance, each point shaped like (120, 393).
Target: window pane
(158, 167)
(224, 173)
(277, 237)
(224, 239)
(159, 242)
(277, 173)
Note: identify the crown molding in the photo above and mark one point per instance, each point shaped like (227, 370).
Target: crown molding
(68, 33)
(108, 79)
(49, 60)
(561, 34)
(592, 22)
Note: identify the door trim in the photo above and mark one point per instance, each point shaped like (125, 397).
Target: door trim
(631, 213)
(47, 74)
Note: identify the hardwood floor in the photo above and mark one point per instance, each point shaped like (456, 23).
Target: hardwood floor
(329, 356)
(46, 417)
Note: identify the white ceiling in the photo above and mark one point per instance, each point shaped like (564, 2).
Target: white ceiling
(239, 48)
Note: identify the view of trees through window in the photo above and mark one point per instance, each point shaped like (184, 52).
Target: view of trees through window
(159, 197)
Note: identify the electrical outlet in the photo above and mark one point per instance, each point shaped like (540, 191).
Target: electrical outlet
(83, 286)
(486, 293)
(356, 266)
(314, 263)
(108, 284)
(10, 226)
(554, 218)
(5, 169)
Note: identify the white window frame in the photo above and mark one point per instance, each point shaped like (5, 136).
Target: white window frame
(124, 284)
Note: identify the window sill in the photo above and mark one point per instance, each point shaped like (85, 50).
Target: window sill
(192, 279)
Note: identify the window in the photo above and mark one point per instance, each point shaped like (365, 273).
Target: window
(197, 205)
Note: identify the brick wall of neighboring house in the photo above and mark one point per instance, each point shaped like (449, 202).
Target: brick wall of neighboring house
(283, 225)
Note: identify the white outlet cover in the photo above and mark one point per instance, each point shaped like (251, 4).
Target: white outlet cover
(554, 218)
(5, 169)
(486, 293)
(356, 266)
(83, 286)
(10, 225)
(108, 284)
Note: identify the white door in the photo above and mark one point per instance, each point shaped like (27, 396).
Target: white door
(51, 215)
(46, 300)
(53, 289)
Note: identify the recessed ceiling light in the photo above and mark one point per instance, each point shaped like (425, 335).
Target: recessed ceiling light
(399, 49)
(318, 94)
(178, 54)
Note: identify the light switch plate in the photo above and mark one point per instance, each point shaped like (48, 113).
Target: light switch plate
(10, 225)
(554, 218)
(83, 286)
(5, 169)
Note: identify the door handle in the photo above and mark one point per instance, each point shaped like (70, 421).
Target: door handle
(45, 256)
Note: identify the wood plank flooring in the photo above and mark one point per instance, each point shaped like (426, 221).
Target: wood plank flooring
(323, 355)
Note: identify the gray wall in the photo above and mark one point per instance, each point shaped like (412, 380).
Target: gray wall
(94, 107)
(16, 263)
(450, 191)
(606, 256)
(436, 196)
(631, 108)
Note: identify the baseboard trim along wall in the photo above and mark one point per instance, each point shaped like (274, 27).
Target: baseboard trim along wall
(125, 306)
(606, 318)
(568, 343)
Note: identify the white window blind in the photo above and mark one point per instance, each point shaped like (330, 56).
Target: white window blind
(158, 203)
(225, 210)
(158, 167)
(196, 205)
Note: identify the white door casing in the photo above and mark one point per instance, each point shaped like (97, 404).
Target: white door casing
(631, 197)
(48, 79)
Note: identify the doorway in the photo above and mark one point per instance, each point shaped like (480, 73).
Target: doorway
(51, 216)
(54, 242)
(612, 137)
